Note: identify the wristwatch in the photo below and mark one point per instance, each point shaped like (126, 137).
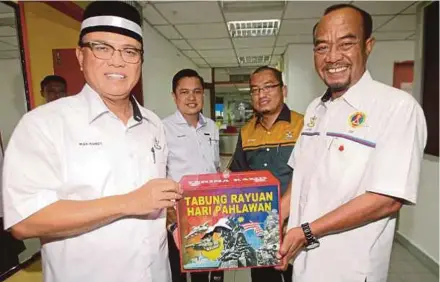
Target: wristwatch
(172, 227)
(312, 241)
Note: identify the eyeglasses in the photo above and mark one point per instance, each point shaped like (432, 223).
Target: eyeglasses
(344, 46)
(265, 89)
(105, 51)
(196, 92)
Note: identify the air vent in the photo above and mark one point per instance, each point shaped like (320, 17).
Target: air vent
(253, 28)
(239, 78)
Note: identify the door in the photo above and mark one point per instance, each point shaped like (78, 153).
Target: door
(65, 64)
(404, 75)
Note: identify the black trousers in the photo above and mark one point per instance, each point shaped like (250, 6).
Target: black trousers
(10, 248)
(178, 276)
(270, 274)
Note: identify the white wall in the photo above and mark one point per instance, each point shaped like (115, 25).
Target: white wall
(385, 54)
(304, 85)
(161, 62)
(420, 224)
(12, 108)
(13, 100)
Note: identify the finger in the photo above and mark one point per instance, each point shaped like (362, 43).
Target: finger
(171, 186)
(287, 243)
(169, 195)
(283, 264)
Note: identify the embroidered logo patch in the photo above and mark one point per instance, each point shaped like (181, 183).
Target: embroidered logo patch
(289, 135)
(357, 119)
(312, 121)
(156, 144)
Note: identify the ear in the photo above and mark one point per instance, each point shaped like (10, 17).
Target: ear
(80, 57)
(174, 97)
(369, 44)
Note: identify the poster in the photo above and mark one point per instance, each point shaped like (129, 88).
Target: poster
(229, 222)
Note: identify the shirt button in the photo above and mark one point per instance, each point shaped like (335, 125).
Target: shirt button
(268, 132)
(265, 164)
(267, 149)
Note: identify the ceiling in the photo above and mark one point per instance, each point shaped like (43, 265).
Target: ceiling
(8, 34)
(199, 30)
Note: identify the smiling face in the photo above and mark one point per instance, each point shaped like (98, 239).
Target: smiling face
(270, 97)
(113, 78)
(189, 96)
(53, 90)
(341, 52)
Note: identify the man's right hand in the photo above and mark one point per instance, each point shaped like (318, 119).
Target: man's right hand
(154, 195)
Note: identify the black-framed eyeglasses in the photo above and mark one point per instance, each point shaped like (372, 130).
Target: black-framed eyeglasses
(265, 89)
(105, 51)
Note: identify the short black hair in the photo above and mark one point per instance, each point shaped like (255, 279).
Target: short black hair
(367, 20)
(278, 75)
(186, 73)
(52, 78)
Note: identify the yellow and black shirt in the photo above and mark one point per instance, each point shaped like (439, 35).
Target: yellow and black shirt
(259, 148)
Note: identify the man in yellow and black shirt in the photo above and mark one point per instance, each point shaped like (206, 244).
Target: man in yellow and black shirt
(266, 142)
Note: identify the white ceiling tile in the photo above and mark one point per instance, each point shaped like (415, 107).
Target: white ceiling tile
(168, 31)
(284, 40)
(254, 42)
(221, 60)
(191, 53)
(9, 54)
(152, 16)
(217, 53)
(6, 9)
(297, 26)
(198, 61)
(275, 59)
(309, 9)
(382, 7)
(222, 65)
(279, 50)
(380, 20)
(254, 51)
(392, 35)
(181, 44)
(190, 12)
(7, 31)
(400, 23)
(11, 40)
(411, 9)
(201, 44)
(203, 31)
(249, 16)
(5, 46)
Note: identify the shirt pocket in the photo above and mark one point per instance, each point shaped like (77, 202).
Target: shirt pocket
(87, 173)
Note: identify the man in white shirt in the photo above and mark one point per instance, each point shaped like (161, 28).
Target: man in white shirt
(86, 173)
(193, 144)
(357, 161)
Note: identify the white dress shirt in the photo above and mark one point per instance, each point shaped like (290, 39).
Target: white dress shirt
(370, 139)
(76, 149)
(191, 150)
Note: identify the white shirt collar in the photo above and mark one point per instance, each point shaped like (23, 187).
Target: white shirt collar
(181, 120)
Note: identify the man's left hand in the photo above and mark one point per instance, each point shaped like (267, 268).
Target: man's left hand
(293, 242)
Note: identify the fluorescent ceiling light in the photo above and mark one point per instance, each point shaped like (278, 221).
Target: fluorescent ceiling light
(244, 89)
(255, 60)
(253, 28)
